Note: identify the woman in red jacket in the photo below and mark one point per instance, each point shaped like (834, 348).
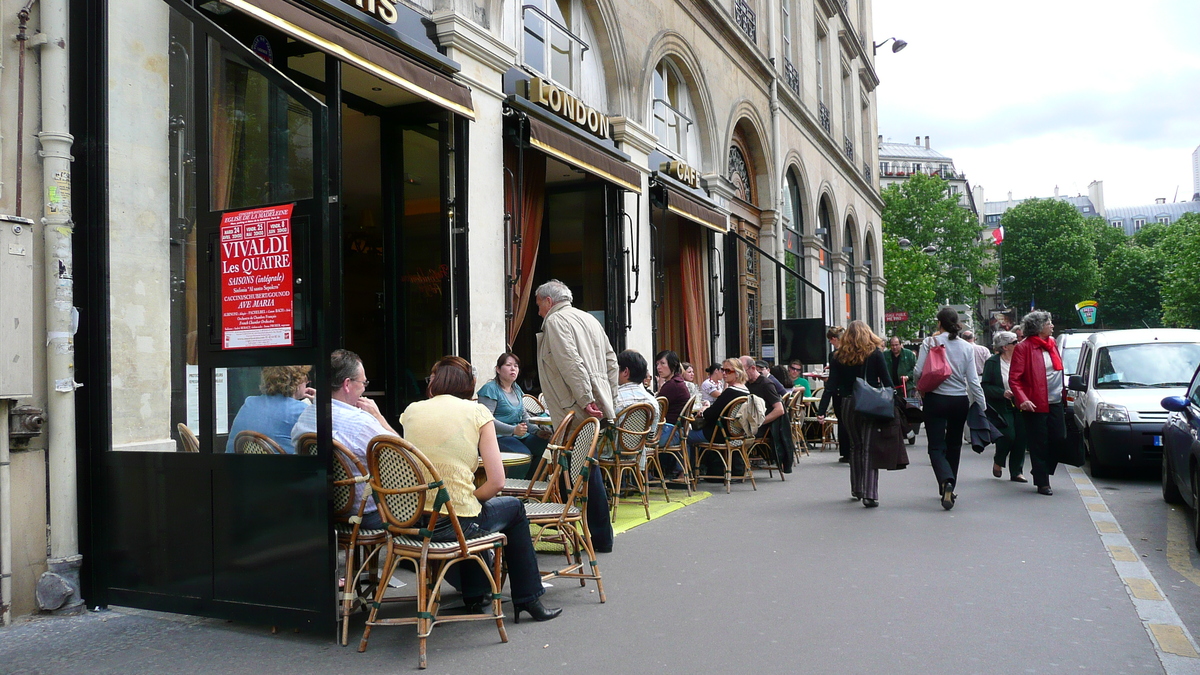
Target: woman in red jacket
(1036, 380)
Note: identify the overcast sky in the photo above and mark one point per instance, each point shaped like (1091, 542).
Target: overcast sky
(1025, 95)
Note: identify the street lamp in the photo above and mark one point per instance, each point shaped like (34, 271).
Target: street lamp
(897, 45)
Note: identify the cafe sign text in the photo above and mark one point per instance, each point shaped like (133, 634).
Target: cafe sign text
(681, 172)
(568, 107)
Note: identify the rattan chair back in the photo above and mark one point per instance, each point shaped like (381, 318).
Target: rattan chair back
(632, 428)
(346, 467)
(306, 444)
(187, 438)
(731, 420)
(581, 452)
(253, 443)
(407, 487)
(532, 405)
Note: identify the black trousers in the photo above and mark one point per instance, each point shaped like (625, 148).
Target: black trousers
(1043, 432)
(596, 511)
(945, 417)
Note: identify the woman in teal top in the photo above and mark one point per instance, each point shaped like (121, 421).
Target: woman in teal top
(502, 396)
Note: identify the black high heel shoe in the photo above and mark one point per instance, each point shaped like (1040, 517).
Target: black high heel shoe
(536, 610)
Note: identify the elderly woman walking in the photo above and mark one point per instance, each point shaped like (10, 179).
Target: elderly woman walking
(1011, 445)
(1036, 380)
(947, 405)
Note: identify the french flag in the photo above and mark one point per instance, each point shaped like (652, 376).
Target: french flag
(998, 235)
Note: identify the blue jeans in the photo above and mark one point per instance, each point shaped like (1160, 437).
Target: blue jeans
(505, 515)
(531, 445)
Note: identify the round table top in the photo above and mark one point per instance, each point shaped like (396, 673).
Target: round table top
(812, 399)
(541, 420)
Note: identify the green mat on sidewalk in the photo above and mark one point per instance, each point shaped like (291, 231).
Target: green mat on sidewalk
(630, 513)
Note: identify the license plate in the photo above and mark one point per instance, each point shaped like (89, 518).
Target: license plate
(1157, 440)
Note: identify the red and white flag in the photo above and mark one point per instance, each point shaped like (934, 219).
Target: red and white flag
(998, 235)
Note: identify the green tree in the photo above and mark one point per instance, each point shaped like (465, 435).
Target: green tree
(1179, 258)
(911, 277)
(923, 211)
(1105, 238)
(1150, 235)
(1048, 249)
(1129, 288)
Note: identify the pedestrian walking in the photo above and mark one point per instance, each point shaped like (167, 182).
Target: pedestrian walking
(1002, 412)
(858, 356)
(1036, 381)
(834, 336)
(900, 362)
(982, 354)
(578, 371)
(947, 404)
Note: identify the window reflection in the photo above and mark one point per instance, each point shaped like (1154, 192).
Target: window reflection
(265, 404)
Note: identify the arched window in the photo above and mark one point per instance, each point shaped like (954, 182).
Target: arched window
(851, 292)
(673, 113)
(739, 175)
(557, 41)
(825, 278)
(793, 227)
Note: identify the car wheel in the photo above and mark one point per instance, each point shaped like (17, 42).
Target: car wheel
(1170, 489)
(1097, 469)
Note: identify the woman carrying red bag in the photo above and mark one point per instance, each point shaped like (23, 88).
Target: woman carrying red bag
(948, 401)
(1036, 380)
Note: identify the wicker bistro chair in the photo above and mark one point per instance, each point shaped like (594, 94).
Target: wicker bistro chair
(536, 487)
(676, 446)
(532, 405)
(187, 438)
(733, 441)
(563, 522)
(254, 443)
(797, 411)
(629, 434)
(360, 547)
(662, 418)
(404, 481)
(306, 444)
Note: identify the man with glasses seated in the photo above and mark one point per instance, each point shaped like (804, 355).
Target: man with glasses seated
(356, 419)
(799, 381)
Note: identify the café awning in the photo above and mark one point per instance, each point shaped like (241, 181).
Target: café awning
(576, 152)
(360, 52)
(686, 205)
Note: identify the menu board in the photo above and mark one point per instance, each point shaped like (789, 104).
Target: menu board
(256, 278)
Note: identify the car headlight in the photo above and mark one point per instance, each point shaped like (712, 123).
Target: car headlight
(1107, 412)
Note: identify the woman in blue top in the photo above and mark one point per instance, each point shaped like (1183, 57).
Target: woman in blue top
(285, 394)
(502, 396)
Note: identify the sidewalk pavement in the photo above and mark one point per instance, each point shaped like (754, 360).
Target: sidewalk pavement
(794, 577)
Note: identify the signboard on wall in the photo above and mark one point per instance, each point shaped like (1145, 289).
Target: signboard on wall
(256, 278)
(895, 317)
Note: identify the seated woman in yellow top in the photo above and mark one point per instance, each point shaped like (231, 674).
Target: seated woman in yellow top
(454, 431)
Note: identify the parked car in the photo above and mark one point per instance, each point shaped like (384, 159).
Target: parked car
(1119, 384)
(1181, 451)
(1070, 343)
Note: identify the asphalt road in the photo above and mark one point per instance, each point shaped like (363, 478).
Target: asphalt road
(793, 577)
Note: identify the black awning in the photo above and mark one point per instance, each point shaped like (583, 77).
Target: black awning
(684, 203)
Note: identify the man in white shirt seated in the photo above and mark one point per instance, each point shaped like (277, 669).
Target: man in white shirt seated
(632, 369)
(356, 419)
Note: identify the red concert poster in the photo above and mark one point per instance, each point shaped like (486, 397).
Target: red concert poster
(256, 278)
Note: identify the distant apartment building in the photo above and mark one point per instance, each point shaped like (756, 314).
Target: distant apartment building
(1089, 205)
(1133, 218)
(899, 161)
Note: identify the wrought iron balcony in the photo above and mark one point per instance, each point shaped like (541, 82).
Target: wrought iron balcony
(823, 115)
(867, 172)
(791, 76)
(745, 18)
(848, 146)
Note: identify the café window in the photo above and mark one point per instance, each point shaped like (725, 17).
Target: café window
(557, 42)
(674, 119)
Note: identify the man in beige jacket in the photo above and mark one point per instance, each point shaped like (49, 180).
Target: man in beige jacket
(576, 363)
(578, 371)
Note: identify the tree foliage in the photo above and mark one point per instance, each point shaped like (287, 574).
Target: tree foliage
(1048, 249)
(1179, 258)
(1129, 288)
(923, 211)
(911, 277)
(1105, 238)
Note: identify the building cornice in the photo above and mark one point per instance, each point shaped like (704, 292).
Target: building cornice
(627, 132)
(455, 31)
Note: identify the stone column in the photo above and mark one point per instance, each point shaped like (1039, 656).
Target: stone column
(811, 269)
(839, 262)
(860, 291)
(484, 59)
(638, 143)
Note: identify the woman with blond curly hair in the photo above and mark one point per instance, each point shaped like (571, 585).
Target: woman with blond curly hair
(285, 394)
(858, 355)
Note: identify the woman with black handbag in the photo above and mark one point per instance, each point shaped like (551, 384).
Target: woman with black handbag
(859, 356)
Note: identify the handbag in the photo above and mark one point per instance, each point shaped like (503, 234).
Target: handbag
(876, 402)
(937, 369)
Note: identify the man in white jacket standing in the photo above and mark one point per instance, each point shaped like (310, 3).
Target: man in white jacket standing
(577, 369)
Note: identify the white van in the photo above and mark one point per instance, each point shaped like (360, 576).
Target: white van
(1120, 380)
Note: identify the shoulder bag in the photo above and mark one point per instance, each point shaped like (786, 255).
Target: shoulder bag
(876, 402)
(937, 368)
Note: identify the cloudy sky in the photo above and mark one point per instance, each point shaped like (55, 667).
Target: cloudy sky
(1026, 95)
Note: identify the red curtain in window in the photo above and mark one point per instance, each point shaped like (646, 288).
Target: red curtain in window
(527, 207)
(691, 270)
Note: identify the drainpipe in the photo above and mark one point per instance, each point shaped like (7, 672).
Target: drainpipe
(6, 565)
(777, 157)
(58, 589)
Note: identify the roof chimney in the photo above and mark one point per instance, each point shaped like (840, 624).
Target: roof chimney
(1160, 200)
(1056, 192)
(918, 141)
(1010, 195)
(926, 142)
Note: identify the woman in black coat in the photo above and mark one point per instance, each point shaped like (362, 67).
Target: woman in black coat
(858, 356)
(1011, 445)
